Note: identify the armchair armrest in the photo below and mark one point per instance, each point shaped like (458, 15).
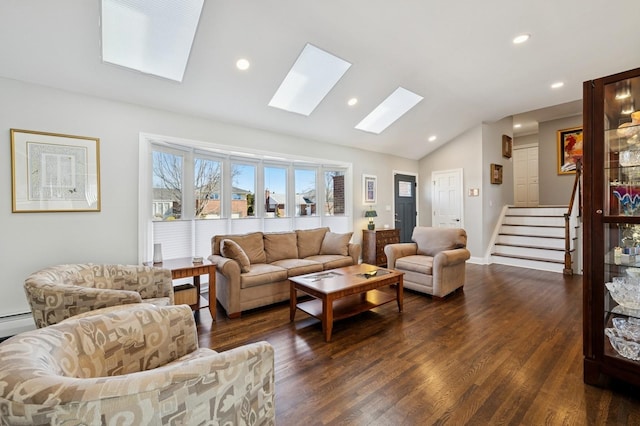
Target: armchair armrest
(398, 250)
(51, 303)
(451, 257)
(149, 281)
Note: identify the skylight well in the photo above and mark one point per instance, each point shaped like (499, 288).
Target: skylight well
(391, 109)
(152, 37)
(311, 78)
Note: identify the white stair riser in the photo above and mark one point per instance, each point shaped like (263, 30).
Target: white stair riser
(529, 252)
(531, 264)
(533, 230)
(534, 220)
(537, 211)
(556, 243)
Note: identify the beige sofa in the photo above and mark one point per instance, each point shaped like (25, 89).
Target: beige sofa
(252, 270)
(434, 263)
(138, 364)
(62, 291)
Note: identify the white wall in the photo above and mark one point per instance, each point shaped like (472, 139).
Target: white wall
(473, 151)
(557, 188)
(30, 241)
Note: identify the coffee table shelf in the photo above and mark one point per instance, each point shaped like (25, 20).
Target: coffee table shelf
(348, 306)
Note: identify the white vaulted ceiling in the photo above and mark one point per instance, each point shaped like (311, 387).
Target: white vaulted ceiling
(458, 56)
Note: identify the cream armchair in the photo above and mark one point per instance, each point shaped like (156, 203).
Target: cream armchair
(434, 263)
(62, 291)
(138, 365)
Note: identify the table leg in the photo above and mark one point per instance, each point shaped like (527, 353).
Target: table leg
(327, 318)
(293, 301)
(212, 296)
(400, 293)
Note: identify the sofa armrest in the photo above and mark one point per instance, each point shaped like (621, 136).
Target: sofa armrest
(398, 250)
(52, 303)
(451, 257)
(227, 283)
(354, 251)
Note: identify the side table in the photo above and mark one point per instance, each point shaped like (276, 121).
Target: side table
(183, 268)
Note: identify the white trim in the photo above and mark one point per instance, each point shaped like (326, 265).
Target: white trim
(15, 324)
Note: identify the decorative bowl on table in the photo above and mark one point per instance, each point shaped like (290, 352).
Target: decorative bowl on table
(625, 291)
(626, 348)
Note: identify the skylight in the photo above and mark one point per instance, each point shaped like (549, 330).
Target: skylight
(391, 109)
(153, 37)
(312, 76)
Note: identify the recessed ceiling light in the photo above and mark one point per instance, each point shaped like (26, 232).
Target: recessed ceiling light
(521, 38)
(391, 109)
(517, 126)
(243, 64)
(557, 85)
(432, 138)
(312, 76)
(138, 34)
(352, 101)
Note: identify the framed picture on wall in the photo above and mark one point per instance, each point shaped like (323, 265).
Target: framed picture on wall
(507, 146)
(496, 174)
(569, 149)
(369, 189)
(52, 172)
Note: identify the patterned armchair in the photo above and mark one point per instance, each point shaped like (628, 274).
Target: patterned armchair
(62, 291)
(138, 365)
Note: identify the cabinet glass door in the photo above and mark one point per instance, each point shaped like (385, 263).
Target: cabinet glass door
(622, 219)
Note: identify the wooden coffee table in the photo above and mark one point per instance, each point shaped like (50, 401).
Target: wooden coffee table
(344, 292)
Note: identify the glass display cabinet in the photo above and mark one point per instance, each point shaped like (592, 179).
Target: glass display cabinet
(611, 218)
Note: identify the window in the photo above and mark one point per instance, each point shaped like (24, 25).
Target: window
(275, 191)
(167, 185)
(305, 183)
(334, 188)
(207, 187)
(243, 190)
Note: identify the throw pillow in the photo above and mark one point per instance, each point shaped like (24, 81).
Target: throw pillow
(278, 246)
(334, 243)
(310, 241)
(232, 250)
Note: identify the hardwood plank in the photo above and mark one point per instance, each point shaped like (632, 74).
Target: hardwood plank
(506, 350)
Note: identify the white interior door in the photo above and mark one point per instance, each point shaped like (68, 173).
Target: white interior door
(447, 199)
(525, 175)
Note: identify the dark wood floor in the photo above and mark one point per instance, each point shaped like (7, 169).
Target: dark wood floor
(507, 350)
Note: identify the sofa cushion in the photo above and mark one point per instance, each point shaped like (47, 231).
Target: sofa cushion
(310, 241)
(261, 274)
(416, 263)
(334, 243)
(232, 250)
(296, 267)
(281, 245)
(332, 261)
(432, 241)
(252, 244)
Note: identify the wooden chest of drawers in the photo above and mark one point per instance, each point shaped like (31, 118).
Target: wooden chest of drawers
(373, 243)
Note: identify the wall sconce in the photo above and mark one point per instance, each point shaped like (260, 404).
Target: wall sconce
(371, 214)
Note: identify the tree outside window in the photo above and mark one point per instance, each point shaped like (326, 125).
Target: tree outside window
(167, 185)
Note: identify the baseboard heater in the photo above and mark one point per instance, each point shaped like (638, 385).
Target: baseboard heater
(11, 325)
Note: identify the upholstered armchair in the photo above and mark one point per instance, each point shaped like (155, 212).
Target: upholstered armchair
(139, 365)
(434, 263)
(62, 291)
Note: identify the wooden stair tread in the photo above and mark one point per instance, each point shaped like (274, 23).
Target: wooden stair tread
(536, 259)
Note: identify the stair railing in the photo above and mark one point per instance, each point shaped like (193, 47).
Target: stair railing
(576, 192)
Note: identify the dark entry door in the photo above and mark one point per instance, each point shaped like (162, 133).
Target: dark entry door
(405, 205)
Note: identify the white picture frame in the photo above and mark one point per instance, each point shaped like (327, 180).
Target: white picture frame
(369, 189)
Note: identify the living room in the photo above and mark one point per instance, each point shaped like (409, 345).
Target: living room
(33, 100)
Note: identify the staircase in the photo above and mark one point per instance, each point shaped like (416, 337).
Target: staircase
(534, 237)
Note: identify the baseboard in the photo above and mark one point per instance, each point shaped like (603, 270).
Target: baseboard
(478, 260)
(14, 324)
